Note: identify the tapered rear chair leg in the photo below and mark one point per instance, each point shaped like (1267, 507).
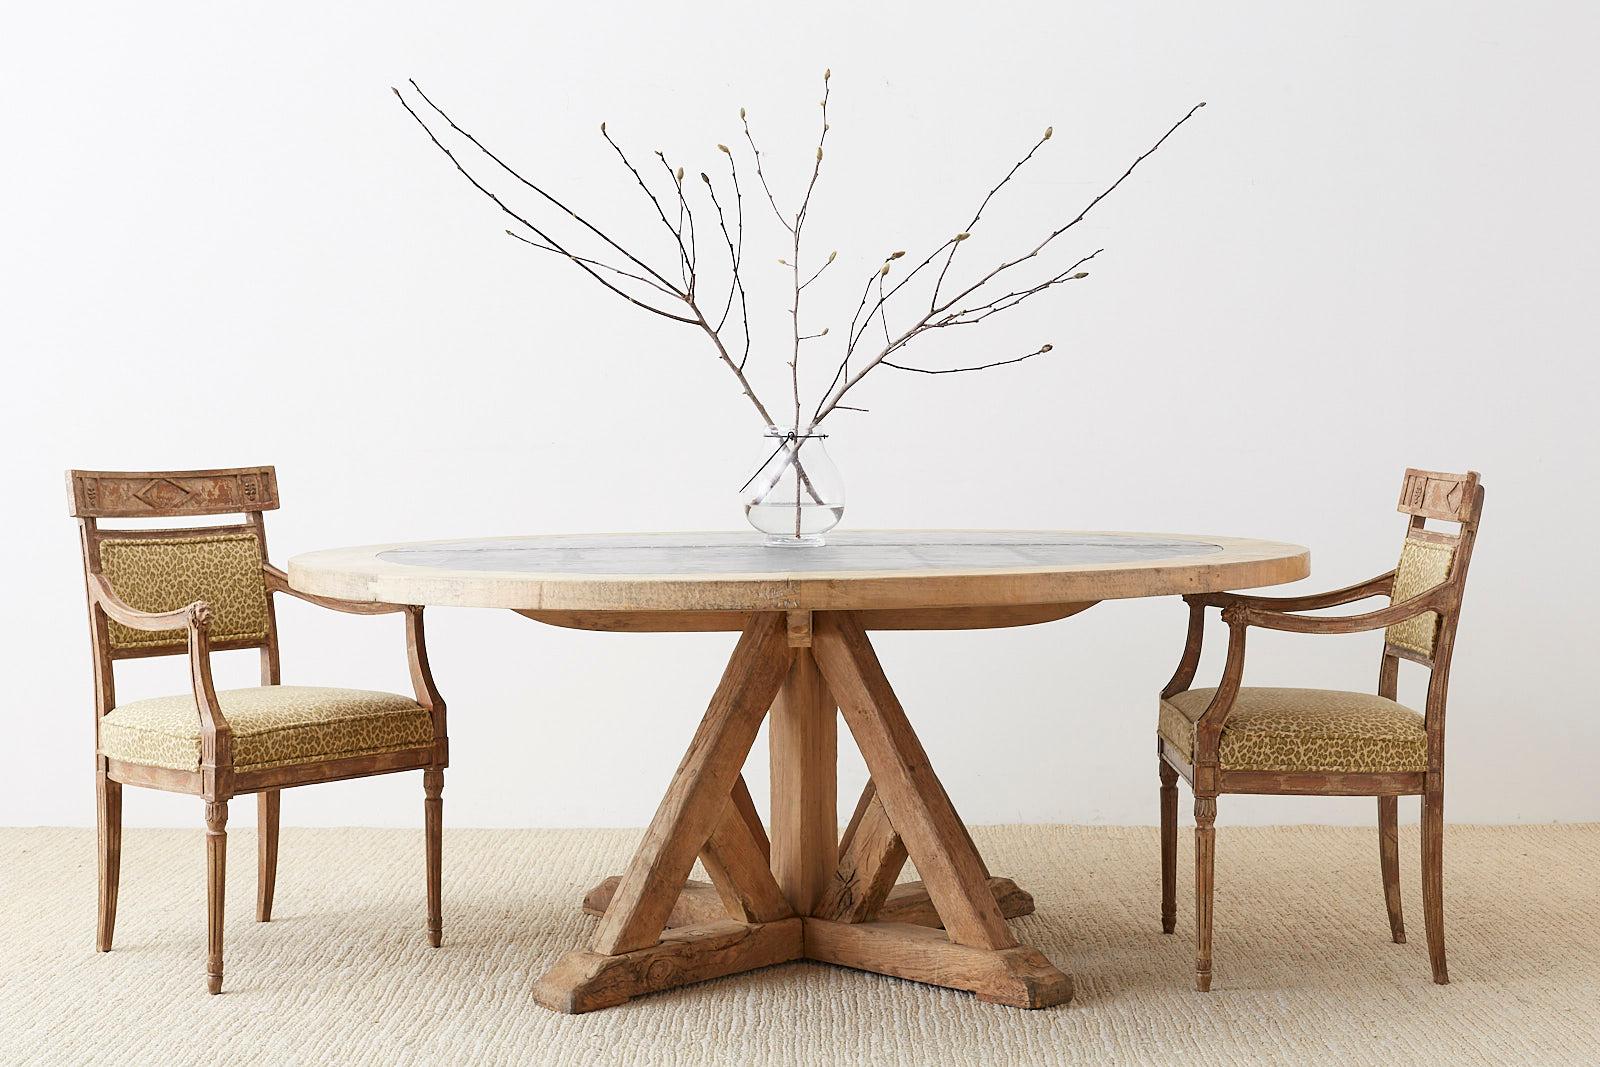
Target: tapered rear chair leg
(1433, 879)
(1169, 847)
(108, 814)
(1205, 855)
(216, 883)
(267, 803)
(433, 822)
(1389, 860)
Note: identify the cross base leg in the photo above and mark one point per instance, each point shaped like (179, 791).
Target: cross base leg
(658, 930)
(584, 981)
(1019, 976)
(908, 902)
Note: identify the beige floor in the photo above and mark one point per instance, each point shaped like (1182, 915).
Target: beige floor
(1305, 971)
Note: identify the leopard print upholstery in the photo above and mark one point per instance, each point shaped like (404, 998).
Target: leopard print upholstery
(166, 573)
(1319, 730)
(1423, 565)
(273, 726)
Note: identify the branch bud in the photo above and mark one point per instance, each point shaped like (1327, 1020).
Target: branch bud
(741, 112)
(884, 271)
(705, 178)
(783, 262)
(824, 332)
(819, 153)
(724, 150)
(1046, 348)
(678, 174)
(896, 255)
(827, 74)
(832, 256)
(1049, 132)
(962, 236)
(1081, 274)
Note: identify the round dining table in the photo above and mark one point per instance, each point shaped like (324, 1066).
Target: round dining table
(800, 890)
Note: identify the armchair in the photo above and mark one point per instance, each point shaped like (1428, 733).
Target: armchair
(194, 590)
(1237, 739)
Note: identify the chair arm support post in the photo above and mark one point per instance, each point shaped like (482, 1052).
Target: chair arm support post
(1193, 640)
(216, 738)
(422, 679)
(1208, 729)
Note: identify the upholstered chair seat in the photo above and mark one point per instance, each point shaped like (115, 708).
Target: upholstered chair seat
(272, 726)
(1303, 730)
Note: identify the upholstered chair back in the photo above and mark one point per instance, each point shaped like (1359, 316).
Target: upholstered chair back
(165, 572)
(1432, 557)
(161, 570)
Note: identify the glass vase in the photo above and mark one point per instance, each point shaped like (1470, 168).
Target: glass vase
(797, 495)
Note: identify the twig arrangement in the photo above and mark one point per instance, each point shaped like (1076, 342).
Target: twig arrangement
(677, 293)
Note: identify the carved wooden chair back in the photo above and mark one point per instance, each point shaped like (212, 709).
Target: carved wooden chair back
(1431, 557)
(164, 569)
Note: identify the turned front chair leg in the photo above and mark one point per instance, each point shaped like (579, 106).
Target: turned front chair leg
(1205, 855)
(1169, 847)
(267, 804)
(108, 811)
(216, 882)
(1389, 861)
(1433, 878)
(433, 823)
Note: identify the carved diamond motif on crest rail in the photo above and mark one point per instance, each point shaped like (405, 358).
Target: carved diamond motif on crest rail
(163, 494)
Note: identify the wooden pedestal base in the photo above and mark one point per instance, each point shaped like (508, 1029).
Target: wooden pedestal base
(907, 902)
(804, 894)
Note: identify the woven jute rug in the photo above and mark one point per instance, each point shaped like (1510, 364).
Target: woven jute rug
(1305, 970)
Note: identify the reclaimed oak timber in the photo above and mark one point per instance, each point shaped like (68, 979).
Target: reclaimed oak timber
(1017, 975)
(802, 736)
(1019, 577)
(699, 791)
(867, 869)
(587, 981)
(907, 902)
(911, 795)
(724, 582)
(740, 872)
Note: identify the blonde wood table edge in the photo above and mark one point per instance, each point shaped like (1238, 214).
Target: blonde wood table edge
(358, 573)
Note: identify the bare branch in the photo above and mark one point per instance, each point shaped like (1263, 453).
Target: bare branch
(735, 255)
(689, 254)
(546, 237)
(1041, 350)
(979, 312)
(976, 215)
(595, 263)
(1075, 219)
(762, 174)
(503, 165)
(677, 235)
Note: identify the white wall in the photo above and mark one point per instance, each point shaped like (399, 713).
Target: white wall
(224, 243)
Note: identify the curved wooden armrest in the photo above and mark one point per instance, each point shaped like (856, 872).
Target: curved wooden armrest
(278, 582)
(1440, 598)
(215, 735)
(107, 600)
(416, 645)
(1379, 586)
